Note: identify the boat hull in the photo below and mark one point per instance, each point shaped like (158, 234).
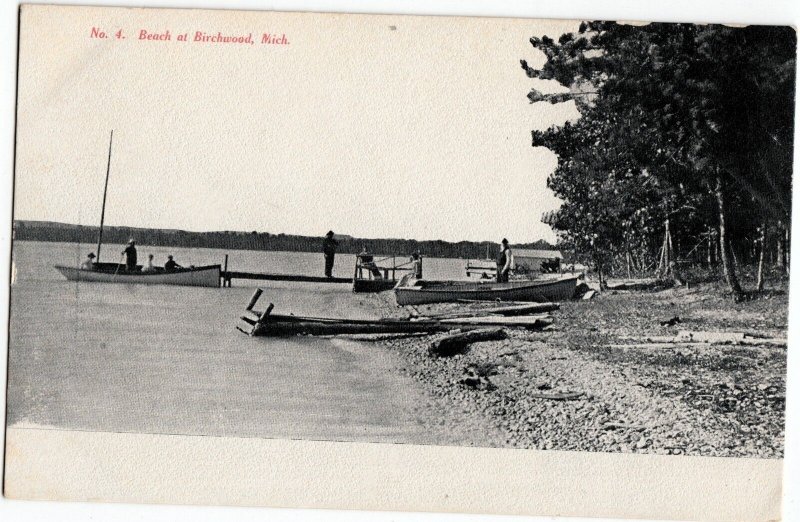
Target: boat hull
(372, 285)
(527, 291)
(208, 276)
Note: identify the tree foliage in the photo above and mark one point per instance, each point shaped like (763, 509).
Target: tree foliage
(669, 112)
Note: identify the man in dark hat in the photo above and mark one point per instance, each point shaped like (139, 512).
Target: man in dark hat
(171, 265)
(329, 250)
(130, 256)
(503, 262)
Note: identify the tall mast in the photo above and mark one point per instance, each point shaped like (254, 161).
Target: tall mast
(105, 191)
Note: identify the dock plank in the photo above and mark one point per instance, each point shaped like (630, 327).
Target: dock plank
(229, 275)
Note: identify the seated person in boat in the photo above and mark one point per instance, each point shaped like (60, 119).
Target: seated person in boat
(504, 260)
(149, 267)
(130, 256)
(171, 264)
(88, 264)
(367, 260)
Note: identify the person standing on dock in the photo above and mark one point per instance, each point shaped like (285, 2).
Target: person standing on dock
(504, 258)
(130, 256)
(329, 250)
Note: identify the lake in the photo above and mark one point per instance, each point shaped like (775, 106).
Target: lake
(167, 359)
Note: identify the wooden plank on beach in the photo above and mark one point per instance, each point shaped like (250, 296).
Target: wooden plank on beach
(512, 309)
(501, 320)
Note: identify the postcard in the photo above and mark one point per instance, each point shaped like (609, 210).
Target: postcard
(411, 263)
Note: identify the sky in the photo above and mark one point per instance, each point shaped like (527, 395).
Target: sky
(372, 126)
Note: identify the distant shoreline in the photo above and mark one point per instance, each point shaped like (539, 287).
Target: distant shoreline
(46, 231)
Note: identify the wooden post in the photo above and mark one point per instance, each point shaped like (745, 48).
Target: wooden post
(265, 314)
(261, 324)
(254, 299)
(225, 279)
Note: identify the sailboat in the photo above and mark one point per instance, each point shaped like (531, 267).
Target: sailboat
(117, 273)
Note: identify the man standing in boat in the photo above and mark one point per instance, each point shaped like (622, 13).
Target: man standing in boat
(504, 258)
(130, 256)
(329, 250)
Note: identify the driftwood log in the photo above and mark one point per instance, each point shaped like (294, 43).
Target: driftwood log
(457, 342)
(556, 396)
(509, 310)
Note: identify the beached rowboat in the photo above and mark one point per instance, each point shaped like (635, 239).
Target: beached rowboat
(421, 292)
(115, 273)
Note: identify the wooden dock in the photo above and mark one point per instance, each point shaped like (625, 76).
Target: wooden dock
(227, 275)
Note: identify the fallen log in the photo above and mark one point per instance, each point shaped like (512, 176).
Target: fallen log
(513, 309)
(381, 337)
(456, 343)
(777, 343)
(688, 338)
(563, 396)
(711, 337)
(501, 320)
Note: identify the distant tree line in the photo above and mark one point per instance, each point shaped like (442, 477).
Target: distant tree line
(46, 231)
(683, 151)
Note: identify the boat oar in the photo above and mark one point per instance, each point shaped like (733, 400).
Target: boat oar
(118, 265)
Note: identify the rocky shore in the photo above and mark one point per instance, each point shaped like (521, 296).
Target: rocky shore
(591, 382)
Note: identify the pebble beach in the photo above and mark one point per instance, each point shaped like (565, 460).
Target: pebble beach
(589, 383)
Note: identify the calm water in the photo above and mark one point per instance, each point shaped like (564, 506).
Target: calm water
(165, 359)
(34, 260)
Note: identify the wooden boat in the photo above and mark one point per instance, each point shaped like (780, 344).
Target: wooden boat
(275, 325)
(116, 273)
(372, 285)
(423, 292)
(370, 276)
(208, 276)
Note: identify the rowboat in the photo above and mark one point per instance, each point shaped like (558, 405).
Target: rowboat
(416, 292)
(370, 277)
(208, 276)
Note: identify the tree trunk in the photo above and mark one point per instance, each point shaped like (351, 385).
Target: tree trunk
(786, 250)
(628, 260)
(725, 251)
(762, 240)
(600, 275)
(673, 269)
